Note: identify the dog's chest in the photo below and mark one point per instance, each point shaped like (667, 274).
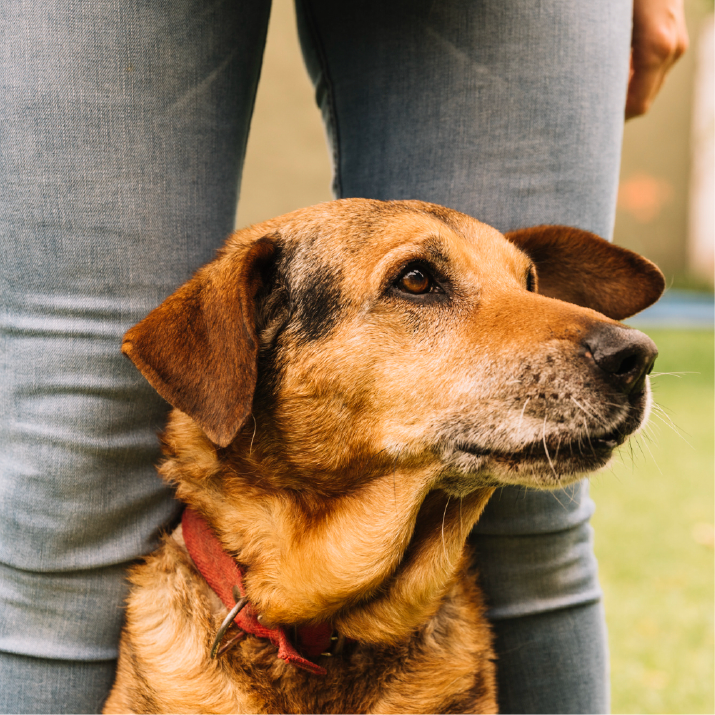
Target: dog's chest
(445, 667)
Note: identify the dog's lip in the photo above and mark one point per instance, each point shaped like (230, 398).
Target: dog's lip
(597, 445)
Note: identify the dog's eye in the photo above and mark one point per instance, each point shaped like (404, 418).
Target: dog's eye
(415, 281)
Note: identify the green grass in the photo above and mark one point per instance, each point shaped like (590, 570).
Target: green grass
(654, 527)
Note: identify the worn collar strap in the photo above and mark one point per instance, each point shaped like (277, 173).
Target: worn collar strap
(223, 574)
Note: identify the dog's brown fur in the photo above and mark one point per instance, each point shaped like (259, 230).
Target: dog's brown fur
(342, 435)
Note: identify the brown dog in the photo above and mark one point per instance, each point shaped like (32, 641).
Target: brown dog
(351, 383)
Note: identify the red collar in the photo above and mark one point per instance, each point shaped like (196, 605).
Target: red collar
(222, 574)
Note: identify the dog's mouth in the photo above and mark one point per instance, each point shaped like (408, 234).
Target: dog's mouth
(550, 448)
(551, 453)
(553, 460)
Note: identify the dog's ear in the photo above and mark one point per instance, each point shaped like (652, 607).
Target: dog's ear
(198, 349)
(581, 268)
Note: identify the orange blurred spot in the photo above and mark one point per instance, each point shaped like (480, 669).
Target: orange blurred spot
(643, 196)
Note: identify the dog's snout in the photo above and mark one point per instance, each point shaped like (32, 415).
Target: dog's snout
(624, 354)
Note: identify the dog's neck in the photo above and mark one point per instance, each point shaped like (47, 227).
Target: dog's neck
(225, 578)
(374, 563)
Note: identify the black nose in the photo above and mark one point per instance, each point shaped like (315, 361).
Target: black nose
(624, 354)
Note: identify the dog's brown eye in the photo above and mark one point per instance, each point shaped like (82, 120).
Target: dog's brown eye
(414, 281)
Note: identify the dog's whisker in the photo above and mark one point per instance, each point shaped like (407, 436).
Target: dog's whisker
(253, 436)
(661, 408)
(444, 543)
(557, 500)
(660, 412)
(593, 409)
(649, 432)
(655, 461)
(667, 422)
(521, 416)
(673, 374)
(588, 436)
(632, 455)
(546, 449)
(590, 414)
(558, 446)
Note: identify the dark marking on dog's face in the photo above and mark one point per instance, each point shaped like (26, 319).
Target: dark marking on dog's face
(318, 301)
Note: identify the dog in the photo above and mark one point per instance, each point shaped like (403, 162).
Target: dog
(350, 384)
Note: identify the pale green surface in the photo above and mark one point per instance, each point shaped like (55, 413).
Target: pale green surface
(653, 523)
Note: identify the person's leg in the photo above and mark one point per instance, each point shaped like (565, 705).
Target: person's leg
(513, 113)
(123, 127)
(49, 685)
(539, 650)
(534, 551)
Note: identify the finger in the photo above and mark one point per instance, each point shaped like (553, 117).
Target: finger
(643, 88)
(654, 53)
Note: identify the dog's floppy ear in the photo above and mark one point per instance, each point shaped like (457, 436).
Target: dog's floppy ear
(582, 268)
(198, 349)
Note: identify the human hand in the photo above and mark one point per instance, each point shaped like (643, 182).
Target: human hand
(659, 39)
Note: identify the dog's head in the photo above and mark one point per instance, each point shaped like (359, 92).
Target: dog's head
(358, 336)
(342, 373)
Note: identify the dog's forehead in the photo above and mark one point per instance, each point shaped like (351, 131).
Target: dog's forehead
(360, 247)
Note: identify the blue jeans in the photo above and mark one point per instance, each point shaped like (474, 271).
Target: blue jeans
(123, 127)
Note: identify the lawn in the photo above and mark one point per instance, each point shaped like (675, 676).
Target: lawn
(654, 540)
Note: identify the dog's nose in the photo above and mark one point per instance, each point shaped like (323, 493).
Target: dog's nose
(624, 354)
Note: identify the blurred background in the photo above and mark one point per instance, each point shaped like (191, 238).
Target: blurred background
(654, 519)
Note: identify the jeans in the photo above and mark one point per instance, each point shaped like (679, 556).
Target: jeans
(123, 126)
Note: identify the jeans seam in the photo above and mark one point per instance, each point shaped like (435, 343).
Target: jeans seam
(255, 82)
(332, 114)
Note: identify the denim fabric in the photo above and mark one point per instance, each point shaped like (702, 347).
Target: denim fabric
(508, 110)
(123, 125)
(122, 132)
(549, 664)
(43, 685)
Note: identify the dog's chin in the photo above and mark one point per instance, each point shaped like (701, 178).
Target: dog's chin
(542, 464)
(536, 467)
(469, 471)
